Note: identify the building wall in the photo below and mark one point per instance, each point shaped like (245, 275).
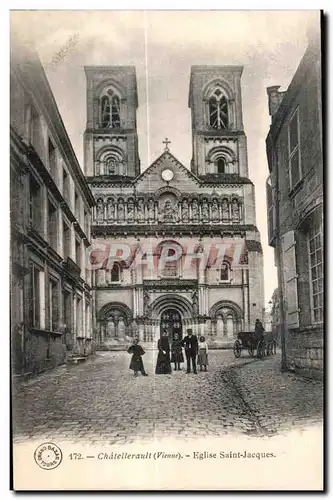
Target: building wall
(46, 329)
(299, 209)
(140, 275)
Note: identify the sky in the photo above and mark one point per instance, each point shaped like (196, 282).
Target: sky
(163, 45)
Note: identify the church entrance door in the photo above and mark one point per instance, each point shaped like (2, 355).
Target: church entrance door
(171, 321)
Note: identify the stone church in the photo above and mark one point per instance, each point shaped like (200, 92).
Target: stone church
(173, 247)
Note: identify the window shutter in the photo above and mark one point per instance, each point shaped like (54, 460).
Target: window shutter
(290, 279)
(42, 325)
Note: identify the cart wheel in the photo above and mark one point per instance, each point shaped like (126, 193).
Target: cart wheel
(237, 349)
(251, 351)
(260, 349)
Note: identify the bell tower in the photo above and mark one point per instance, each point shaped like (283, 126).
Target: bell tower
(110, 139)
(218, 138)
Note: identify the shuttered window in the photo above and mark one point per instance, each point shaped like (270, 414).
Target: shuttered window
(37, 298)
(315, 249)
(295, 168)
(290, 278)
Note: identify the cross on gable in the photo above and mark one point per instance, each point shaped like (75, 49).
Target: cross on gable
(166, 142)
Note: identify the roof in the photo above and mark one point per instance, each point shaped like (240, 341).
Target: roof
(170, 157)
(307, 63)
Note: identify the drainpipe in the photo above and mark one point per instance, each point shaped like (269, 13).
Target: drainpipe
(282, 309)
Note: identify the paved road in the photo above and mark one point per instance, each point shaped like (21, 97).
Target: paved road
(101, 400)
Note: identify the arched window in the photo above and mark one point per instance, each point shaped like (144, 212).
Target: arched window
(111, 161)
(110, 110)
(225, 272)
(218, 110)
(115, 273)
(222, 160)
(221, 166)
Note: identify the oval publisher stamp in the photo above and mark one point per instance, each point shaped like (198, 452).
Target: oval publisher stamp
(48, 456)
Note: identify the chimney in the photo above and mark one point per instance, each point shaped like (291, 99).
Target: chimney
(274, 99)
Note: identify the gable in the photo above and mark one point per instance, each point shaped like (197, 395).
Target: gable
(151, 179)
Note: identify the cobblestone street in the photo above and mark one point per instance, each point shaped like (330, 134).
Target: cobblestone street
(101, 400)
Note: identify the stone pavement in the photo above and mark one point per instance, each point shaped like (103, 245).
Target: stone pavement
(101, 401)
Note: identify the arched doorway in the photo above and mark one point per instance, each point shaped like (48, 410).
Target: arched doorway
(172, 305)
(114, 323)
(171, 321)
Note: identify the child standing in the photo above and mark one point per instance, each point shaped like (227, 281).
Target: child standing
(136, 362)
(177, 352)
(203, 353)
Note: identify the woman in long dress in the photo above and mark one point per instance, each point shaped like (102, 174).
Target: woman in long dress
(177, 352)
(203, 353)
(163, 364)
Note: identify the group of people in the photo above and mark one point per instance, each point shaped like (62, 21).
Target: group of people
(196, 352)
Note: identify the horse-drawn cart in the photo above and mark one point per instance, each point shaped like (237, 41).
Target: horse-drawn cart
(259, 346)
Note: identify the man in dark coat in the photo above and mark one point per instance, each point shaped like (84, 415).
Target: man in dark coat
(259, 330)
(190, 343)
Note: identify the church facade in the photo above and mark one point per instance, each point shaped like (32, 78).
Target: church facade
(172, 247)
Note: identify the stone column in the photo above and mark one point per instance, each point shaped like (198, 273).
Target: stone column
(96, 112)
(230, 327)
(157, 332)
(202, 328)
(100, 332)
(105, 213)
(134, 328)
(219, 327)
(201, 300)
(206, 301)
(213, 329)
(208, 328)
(111, 328)
(141, 331)
(116, 332)
(140, 301)
(108, 276)
(121, 329)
